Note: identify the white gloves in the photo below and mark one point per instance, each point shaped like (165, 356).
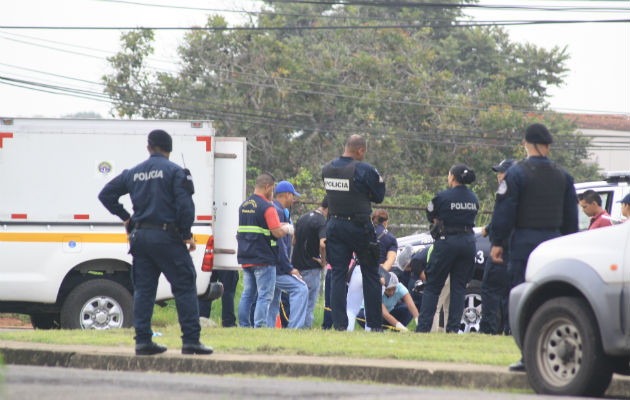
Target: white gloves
(290, 229)
(401, 327)
(416, 319)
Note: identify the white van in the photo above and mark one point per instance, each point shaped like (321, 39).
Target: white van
(63, 257)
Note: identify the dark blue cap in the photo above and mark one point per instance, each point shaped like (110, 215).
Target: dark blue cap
(504, 165)
(538, 133)
(625, 200)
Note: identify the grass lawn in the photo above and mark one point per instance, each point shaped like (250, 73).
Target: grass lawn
(469, 348)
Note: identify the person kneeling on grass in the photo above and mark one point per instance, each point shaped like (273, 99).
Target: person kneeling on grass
(398, 307)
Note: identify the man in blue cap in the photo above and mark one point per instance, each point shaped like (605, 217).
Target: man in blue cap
(288, 278)
(535, 202)
(495, 284)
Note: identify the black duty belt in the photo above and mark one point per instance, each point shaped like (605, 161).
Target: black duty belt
(345, 217)
(159, 227)
(453, 230)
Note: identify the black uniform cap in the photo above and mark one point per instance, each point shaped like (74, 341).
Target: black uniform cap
(161, 139)
(538, 133)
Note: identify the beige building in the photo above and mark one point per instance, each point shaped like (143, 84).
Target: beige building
(610, 139)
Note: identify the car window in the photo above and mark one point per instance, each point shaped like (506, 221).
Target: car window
(585, 221)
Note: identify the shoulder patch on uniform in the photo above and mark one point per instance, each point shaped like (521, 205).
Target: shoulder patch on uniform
(502, 188)
(430, 206)
(380, 178)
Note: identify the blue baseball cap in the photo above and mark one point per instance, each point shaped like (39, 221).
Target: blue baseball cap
(625, 200)
(286, 187)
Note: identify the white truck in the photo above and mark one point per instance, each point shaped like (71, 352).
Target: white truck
(63, 257)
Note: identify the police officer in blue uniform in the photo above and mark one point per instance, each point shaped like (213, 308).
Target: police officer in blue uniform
(495, 284)
(351, 185)
(452, 213)
(159, 231)
(535, 202)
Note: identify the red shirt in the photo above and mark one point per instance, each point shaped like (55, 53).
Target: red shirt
(273, 222)
(599, 221)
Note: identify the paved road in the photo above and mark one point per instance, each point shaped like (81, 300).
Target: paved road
(25, 382)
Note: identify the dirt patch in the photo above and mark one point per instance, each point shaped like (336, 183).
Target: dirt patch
(11, 321)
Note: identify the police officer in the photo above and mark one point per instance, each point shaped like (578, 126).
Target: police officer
(350, 185)
(159, 230)
(535, 202)
(495, 285)
(452, 213)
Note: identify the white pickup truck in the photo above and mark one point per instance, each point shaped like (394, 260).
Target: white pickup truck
(571, 316)
(63, 257)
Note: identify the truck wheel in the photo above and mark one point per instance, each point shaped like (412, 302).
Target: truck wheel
(45, 321)
(471, 317)
(97, 304)
(563, 350)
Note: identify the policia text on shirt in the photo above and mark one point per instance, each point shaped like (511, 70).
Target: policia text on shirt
(350, 185)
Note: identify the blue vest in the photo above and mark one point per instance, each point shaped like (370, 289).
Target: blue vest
(255, 243)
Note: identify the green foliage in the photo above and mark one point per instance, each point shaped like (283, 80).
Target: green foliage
(426, 98)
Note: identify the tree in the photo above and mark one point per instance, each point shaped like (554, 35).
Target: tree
(426, 97)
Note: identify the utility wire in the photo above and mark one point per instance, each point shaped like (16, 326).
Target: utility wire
(407, 4)
(421, 137)
(316, 27)
(327, 16)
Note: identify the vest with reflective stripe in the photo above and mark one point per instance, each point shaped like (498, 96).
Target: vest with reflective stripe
(343, 197)
(255, 243)
(541, 204)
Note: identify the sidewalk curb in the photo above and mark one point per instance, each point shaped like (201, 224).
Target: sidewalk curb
(468, 378)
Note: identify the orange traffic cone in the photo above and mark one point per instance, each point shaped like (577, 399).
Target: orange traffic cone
(278, 322)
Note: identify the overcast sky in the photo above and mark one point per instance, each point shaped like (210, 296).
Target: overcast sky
(598, 80)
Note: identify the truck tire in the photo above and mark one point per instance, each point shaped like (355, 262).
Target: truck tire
(45, 321)
(471, 316)
(97, 304)
(563, 350)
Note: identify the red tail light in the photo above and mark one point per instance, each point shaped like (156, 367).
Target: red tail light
(208, 257)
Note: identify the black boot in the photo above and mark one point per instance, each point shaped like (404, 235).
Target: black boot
(196, 348)
(149, 349)
(518, 366)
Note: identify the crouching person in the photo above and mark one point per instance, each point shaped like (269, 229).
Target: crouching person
(288, 279)
(398, 306)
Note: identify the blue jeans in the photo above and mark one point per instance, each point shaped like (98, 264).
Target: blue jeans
(155, 252)
(298, 294)
(453, 255)
(259, 281)
(312, 277)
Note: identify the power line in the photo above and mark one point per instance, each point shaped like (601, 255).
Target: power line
(325, 16)
(272, 121)
(318, 27)
(407, 4)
